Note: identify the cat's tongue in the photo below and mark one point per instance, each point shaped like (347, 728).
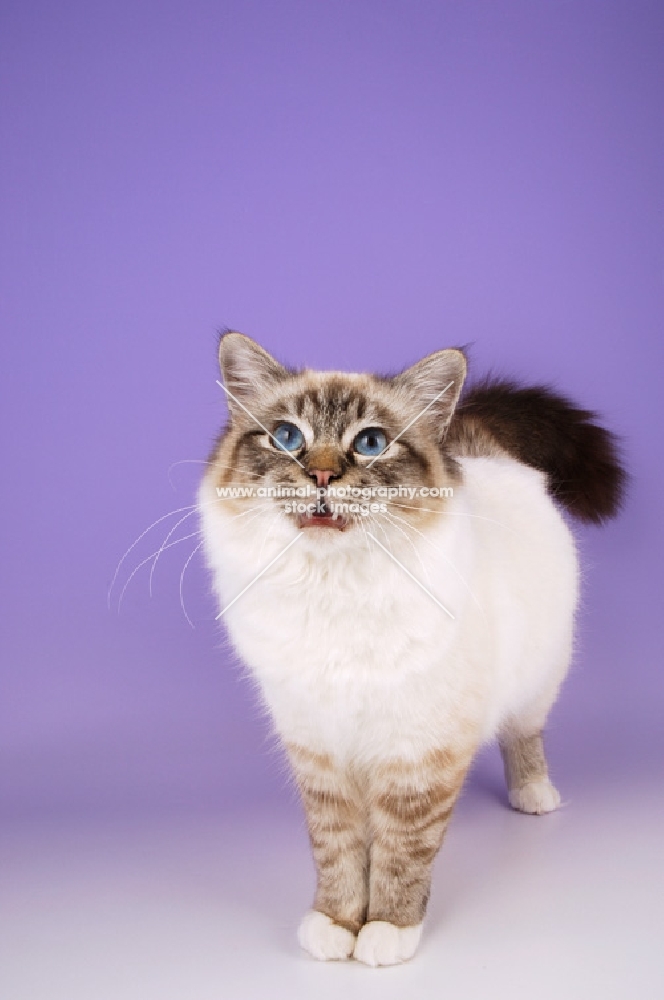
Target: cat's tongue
(322, 521)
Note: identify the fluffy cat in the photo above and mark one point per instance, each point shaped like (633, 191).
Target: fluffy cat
(391, 637)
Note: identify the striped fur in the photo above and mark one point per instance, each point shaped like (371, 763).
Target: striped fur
(410, 808)
(527, 775)
(374, 837)
(338, 832)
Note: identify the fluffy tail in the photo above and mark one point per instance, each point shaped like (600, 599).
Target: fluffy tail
(546, 431)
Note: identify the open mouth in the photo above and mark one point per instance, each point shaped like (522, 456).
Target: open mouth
(326, 519)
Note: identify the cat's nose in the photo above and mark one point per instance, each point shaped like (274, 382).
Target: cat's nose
(324, 463)
(322, 477)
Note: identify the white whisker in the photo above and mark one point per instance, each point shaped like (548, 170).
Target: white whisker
(366, 542)
(147, 560)
(447, 559)
(413, 578)
(207, 503)
(184, 570)
(239, 468)
(379, 525)
(184, 461)
(449, 513)
(164, 545)
(135, 543)
(392, 517)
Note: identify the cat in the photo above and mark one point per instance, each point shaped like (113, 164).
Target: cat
(412, 598)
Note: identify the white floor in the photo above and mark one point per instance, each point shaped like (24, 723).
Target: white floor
(547, 908)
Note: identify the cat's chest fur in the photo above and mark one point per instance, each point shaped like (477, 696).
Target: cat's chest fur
(341, 644)
(353, 656)
(349, 651)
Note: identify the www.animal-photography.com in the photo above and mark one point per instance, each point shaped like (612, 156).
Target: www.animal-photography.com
(331, 645)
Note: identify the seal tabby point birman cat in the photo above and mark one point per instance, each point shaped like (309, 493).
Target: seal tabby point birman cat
(393, 565)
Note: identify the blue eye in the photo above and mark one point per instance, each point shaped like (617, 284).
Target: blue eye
(288, 437)
(371, 442)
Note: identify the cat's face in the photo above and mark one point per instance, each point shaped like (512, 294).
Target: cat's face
(332, 452)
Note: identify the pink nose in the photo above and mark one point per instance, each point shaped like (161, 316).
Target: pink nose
(322, 477)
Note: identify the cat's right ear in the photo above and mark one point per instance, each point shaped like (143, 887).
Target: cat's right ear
(247, 371)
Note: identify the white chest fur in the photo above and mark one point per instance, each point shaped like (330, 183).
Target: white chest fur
(354, 658)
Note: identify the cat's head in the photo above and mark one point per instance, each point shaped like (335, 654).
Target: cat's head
(331, 451)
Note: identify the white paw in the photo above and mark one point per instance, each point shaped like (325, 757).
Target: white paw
(381, 943)
(535, 797)
(321, 937)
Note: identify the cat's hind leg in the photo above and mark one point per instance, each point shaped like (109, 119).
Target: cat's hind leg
(529, 788)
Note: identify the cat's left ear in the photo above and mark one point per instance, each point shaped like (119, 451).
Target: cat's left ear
(247, 370)
(434, 383)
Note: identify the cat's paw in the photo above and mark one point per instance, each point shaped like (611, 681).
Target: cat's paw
(321, 937)
(381, 943)
(535, 797)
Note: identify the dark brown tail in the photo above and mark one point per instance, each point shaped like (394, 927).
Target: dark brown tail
(546, 431)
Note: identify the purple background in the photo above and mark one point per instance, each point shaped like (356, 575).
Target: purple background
(354, 184)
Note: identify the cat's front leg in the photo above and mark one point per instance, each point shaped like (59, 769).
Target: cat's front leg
(338, 834)
(411, 805)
